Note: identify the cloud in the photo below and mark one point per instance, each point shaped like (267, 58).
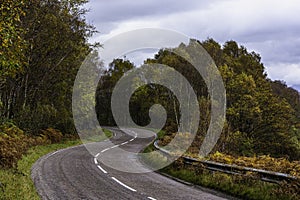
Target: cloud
(289, 72)
(105, 12)
(269, 27)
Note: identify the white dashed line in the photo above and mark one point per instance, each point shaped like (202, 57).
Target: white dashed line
(126, 186)
(55, 152)
(114, 146)
(104, 150)
(105, 172)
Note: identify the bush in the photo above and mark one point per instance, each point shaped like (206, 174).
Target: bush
(261, 162)
(14, 142)
(53, 135)
(34, 120)
(43, 117)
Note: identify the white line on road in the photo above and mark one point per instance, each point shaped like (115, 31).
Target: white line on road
(104, 150)
(55, 152)
(126, 186)
(105, 172)
(96, 161)
(114, 146)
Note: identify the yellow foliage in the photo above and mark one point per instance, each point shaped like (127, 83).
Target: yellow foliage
(14, 143)
(261, 162)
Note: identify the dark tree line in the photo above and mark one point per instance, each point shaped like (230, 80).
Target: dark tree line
(262, 115)
(48, 42)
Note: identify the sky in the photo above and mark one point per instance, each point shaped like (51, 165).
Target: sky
(268, 27)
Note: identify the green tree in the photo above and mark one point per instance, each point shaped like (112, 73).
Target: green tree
(108, 80)
(56, 35)
(292, 96)
(12, 50)
(12, 44)
(258, 120)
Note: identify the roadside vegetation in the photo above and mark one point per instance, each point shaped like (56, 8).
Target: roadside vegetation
(261, 129)
(42, 45)
(16, 182)
(247, 186)
(262, 116)
(237, 186)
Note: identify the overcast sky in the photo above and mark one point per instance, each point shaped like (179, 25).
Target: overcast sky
(268, 27)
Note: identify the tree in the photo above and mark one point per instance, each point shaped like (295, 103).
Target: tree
(292, 96)
(108, 80)
(56, 33)
(260, 119)
(12, 50)
(12, 45)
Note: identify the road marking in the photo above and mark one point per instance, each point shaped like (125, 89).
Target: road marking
(96, 161)
(105, 172)
(126, 186)
(104, 150)
(114, 146)
(53, 153)
(56, 152)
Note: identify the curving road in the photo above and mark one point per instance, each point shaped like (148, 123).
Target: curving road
(74, 173)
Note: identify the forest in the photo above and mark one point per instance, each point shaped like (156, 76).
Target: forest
(262, 116)
(43, 43)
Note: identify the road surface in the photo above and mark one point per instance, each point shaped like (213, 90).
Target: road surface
(75, 173)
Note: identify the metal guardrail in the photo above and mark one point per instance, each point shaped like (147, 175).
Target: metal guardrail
(264, 175)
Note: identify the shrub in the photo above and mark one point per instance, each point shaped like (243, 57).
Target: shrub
(53, 135)
(44, 116)
(13, 143)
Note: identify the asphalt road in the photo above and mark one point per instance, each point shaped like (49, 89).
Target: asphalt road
(76, 173)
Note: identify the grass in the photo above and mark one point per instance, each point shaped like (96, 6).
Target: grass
(234, 185)
(16, 183)
(237, 186)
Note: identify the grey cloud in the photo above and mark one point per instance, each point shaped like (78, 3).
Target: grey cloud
(297, 87)
(121, 10)
(271, 28)
(278, 49)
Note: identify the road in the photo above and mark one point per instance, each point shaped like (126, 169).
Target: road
(75, 173)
